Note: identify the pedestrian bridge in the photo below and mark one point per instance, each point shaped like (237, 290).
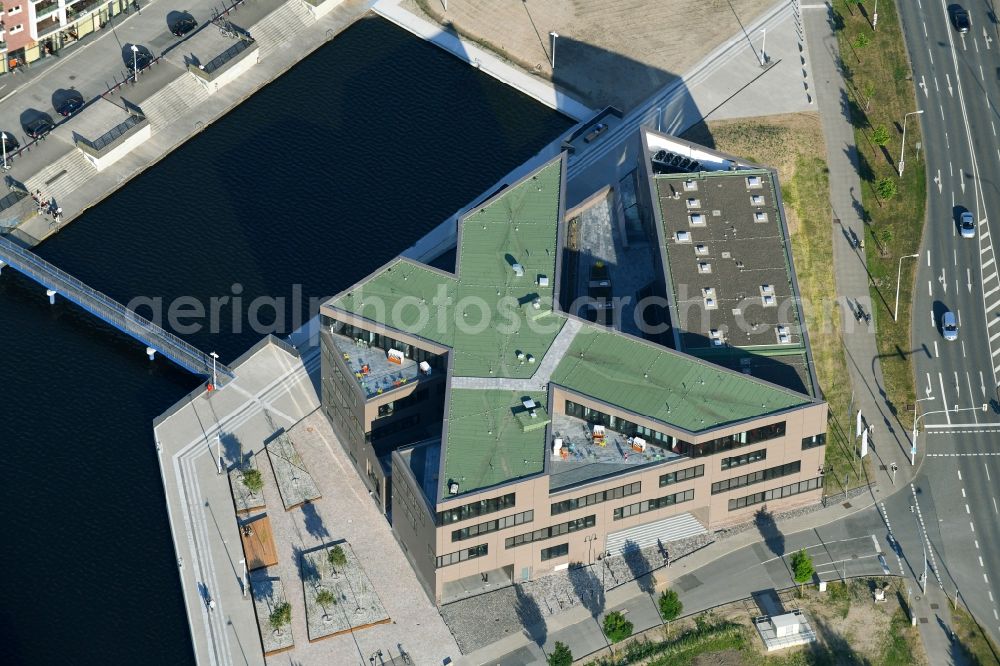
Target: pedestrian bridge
(111, 311)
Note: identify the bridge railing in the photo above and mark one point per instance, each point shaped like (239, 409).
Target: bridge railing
(107, 308)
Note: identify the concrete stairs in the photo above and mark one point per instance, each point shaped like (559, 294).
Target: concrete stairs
(62, 176)
(175, 99)
(277, 30)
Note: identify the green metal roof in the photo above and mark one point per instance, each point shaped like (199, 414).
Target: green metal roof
(660, 383)
(486, 443)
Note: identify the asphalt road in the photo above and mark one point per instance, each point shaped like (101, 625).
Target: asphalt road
(958, 486)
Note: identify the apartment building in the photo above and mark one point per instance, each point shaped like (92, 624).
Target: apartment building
(33, 29)
(506, 439)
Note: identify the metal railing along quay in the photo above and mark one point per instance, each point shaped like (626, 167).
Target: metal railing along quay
(111, 311)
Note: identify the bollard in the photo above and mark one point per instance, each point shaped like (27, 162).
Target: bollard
(51, 293)
(150, 352)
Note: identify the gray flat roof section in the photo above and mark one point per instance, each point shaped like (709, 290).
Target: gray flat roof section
(724, 231)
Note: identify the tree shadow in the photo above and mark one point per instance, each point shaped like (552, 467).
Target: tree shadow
(530, 616)
(832, 647)
(768, 528)
(639, 565)
(314, 522)
(308, 571)
(588, 589)
(232, 451)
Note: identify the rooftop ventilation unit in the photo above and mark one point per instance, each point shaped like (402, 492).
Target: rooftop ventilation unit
(452, 488)
(518, 270)
(543, 280)
(754, 182)
(683, 236)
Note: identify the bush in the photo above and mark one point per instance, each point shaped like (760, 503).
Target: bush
(616, 627)
(886, 188)
(337, 556)
(561, 655)
(253, 481)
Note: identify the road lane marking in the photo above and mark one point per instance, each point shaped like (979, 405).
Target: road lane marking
(986, 264)
(954, 257)
(987, 468)
(968, 382)
(959, 475)
(983, 77)
(968, 512)
(925, 30)
(977, 543)
(944, 396)
(929, 256)
(963, 350)
(972, 526)
(963, 492)
(930, 293)
(936, 353)
(962, 455)
(995, 505)
(981, 560)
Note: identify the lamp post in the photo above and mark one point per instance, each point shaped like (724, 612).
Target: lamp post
(875, 17)
(215, 378)
(243, 563)
(218, 454)
(554, 35)
(763, 51)
(3, 138)
(135, 62)
(899, 272)
(902, 148)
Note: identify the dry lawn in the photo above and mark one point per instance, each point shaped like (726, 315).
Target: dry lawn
(609, 52)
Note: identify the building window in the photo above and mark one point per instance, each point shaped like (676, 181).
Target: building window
(16, 29)
(555, 551)
(596, 498)
(463, 555)
(493, 526)
(549, 532)
(813, 441)
(16, 9)
(475, 509)
(744, 459)
(653, 504)
(776, 493)
(756, 477)
(682, 475)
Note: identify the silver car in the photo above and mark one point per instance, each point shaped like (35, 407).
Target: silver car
(967, 225)
(949, 326)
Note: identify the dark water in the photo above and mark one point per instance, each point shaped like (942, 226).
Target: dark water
(315, 181)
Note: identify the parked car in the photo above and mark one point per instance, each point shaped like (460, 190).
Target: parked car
(967, 225)
(949, 327)
(10, 142)
(141, 61)
(70, 105)
(960, 18)
(38, 127)
(183, 26)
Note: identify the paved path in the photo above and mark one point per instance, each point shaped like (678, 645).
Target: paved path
(891, 443)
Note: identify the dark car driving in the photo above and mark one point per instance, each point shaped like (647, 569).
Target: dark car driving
(70, 105)
(141, 61)
(183, 26)
(38, 128)
(960, 18)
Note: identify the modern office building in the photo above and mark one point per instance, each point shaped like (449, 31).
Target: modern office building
(505, 438)
(33, 29)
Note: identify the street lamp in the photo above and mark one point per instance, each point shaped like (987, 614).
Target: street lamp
(899, 272)
(218, 454)
(902, 148)
(875, 17)
(135, 62)
(553, 35)
(3, 138)
(243, 563)
(215, 378)
(763, 52)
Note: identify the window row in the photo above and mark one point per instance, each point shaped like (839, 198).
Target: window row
(596, 498)
(777, 493)
(654, 504)
(475, 509)
(744, 459)
(756, 477)
(493, 525)
(553, 531)
(555, 551)
(813, 441)
(379, 341)
(463, 555)
(682, 475)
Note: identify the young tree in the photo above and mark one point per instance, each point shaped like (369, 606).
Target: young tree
(325, 598)
(880, 136)
(886, 188)
(280, 616)
(337, 557)
(561, 655)
(802, 568)
(253, 481)
(670, 606)
(868, 91)
(616, 627)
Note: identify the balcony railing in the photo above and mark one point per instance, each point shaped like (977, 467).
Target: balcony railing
(44, 9)
(49, 26)
(83, 8)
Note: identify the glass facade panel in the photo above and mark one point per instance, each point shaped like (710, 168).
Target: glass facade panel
(476, 509)
(596, 498)
(493, 525)
(555, 551)
(682, 475)
(756, 477)
(776, 493)
(654, 504)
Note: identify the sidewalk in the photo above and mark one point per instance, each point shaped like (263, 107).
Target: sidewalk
(635, 593)
(891, 444)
